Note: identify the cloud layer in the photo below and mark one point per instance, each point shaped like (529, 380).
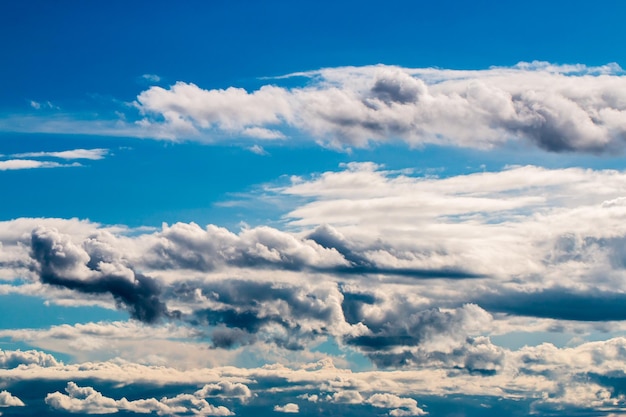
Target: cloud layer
(557, 108)
(413, 278)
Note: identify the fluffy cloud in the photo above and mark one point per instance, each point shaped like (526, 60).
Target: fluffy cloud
(401, 406)
(558, 108)
(405, 269)
(583, 377)
(8, 400)
(225, 389)
(88, 400)
(14, 358)
(287, 408)
(67, 265)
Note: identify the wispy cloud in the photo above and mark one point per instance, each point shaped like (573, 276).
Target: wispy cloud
(16, 164)
(91, 154)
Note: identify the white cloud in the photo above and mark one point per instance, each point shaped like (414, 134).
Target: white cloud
(8, 400)
(401, 406)
(15, 164)
(555, 377)
(558, 108)
(92, 154)
(151, 78)
(226, 389)
(287, 408)
(14, 358)
(257, 150)
(88, 400)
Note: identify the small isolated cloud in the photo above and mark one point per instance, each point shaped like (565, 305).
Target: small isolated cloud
(287, 408)
(17, 164)
(401, 406)
(151, 78)
(91, 154)
(45, 105)
(8, 400)
(258, 150)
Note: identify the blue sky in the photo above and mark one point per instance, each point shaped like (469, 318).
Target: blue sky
(355, 208)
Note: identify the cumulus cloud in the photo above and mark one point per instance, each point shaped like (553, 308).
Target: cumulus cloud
(401, 406)
(496, 247)
(287, 408)
(8, 400)
(225, 389)
(558, 108)
(545, 377)
(14, 358)
(88, 400)
(189, 246)
(64, 264)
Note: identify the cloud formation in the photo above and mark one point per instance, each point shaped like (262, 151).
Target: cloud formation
(557, 108)
(89, 401)
(8, 400)
(368, 259)
(64, 264)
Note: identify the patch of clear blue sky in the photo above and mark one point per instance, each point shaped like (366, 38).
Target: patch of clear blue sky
(68, 50)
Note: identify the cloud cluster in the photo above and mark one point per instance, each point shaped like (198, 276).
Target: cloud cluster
(558, 108)
(89, 401)
(586, 377)
(407, 270)
(24, 160)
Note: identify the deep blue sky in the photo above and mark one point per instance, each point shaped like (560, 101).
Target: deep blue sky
(69, 50)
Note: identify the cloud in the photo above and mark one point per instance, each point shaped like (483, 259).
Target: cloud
(558, 108)
(45, 105)
(8, 400)
(258, 150)
(14, 358)
(63, 264)
(88, 400)
(287, 408)
(401, 406)
(537, 243)
(151, 78)
(225, 389)
(540, 378)
(91, 154)
(189, 246)
(15, 164)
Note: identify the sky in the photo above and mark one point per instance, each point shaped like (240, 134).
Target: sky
(398, 208)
